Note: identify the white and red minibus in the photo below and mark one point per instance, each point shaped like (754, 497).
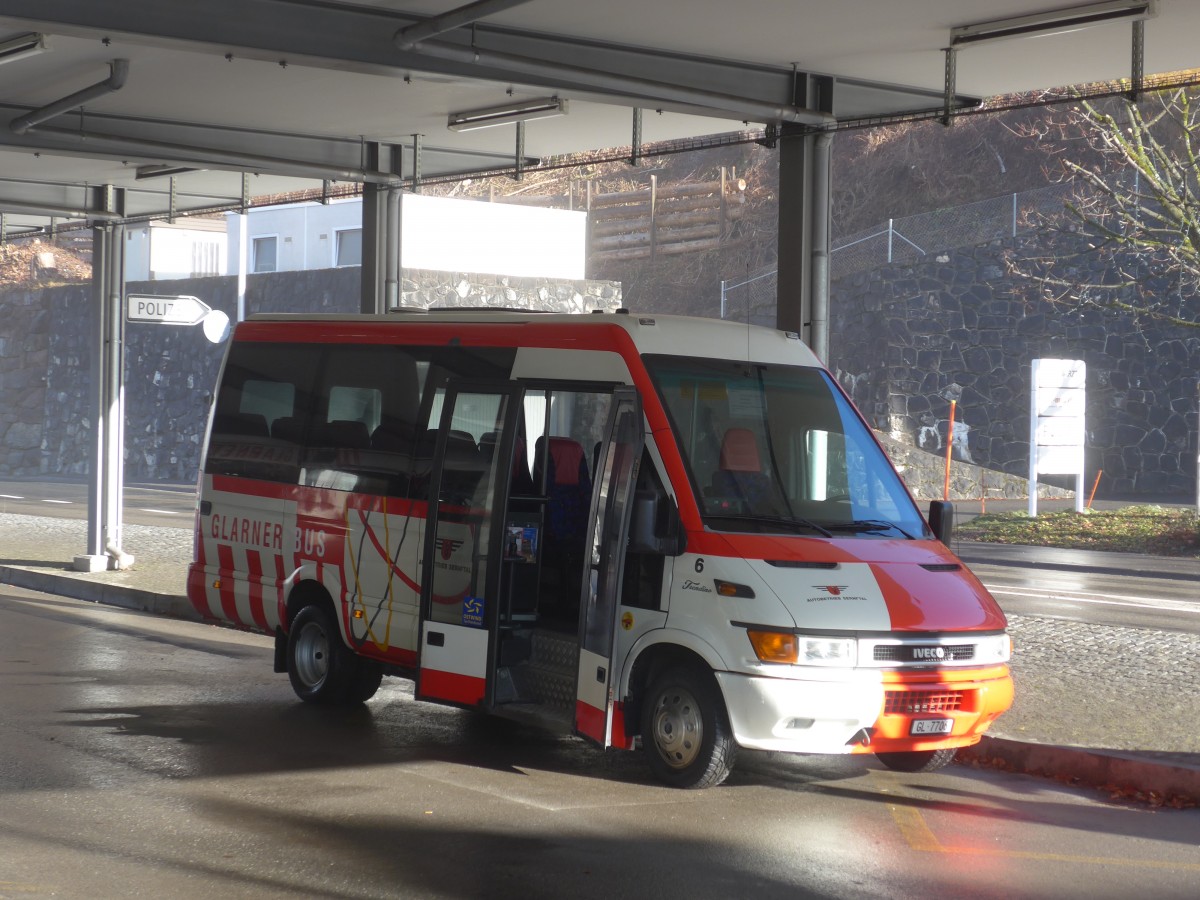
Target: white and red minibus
(650, 530)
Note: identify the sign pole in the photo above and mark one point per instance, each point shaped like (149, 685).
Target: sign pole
(1033, 421)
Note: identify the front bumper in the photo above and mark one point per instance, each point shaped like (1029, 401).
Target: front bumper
(866, 711)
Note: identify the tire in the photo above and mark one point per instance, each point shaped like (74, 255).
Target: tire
(917, 760)
(321, 668)
(685, 730)
(366, 681)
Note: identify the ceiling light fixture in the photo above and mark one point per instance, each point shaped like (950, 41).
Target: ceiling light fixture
(22, 46)
(161, 171)
(520, 111)
(1054, 21)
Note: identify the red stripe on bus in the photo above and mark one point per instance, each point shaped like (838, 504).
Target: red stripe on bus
(465, 689)
(197, 590)
(197, 581)
(227, 580)
(254, 567)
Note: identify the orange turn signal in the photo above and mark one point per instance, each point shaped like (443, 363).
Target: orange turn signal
(774, 646)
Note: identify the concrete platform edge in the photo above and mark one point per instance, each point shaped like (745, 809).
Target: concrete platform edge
(173, 605)
(1078, 765)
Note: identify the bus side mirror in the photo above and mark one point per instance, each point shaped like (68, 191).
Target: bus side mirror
(941, 520)
(656, 527)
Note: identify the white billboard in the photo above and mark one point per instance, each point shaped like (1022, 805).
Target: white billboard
(455, 235)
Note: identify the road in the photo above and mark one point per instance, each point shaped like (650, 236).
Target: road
(162, 505)
(1096, 598)
(157, 757)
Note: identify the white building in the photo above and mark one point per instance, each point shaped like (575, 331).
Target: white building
(191, 248)
(298, 236)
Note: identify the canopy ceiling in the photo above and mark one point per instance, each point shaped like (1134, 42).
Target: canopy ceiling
(297, 92)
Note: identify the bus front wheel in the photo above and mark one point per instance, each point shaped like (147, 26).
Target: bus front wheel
(917, 760)
(685, 730)
(321, 668)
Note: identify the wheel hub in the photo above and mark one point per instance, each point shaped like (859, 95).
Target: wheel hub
(678, 728)
(312, 655)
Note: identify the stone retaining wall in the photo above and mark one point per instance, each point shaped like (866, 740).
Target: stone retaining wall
(906, 340)
(170, 371)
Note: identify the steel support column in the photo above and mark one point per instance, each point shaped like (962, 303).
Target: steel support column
(804, 184)
(381, 234)
(107, 470)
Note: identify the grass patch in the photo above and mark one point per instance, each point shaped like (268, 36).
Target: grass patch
(1155, 530)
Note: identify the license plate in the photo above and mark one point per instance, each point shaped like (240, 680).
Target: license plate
(932, 726)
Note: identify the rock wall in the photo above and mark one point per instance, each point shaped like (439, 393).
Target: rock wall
(907, 340)
(24, 340)
(46, 347)
(904, 341)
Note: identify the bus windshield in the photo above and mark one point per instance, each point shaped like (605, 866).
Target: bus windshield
(777, 448)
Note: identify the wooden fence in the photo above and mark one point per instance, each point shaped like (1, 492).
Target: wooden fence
(651, 221)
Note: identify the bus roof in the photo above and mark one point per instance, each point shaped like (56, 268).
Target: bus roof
(651, 333)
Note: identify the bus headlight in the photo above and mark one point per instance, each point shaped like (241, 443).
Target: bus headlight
(804, 650)
(995, 648)
(826, 651)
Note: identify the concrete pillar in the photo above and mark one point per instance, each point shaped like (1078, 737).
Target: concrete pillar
(106, 472)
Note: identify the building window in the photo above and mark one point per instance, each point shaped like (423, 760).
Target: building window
(263, 257)
(347, 248)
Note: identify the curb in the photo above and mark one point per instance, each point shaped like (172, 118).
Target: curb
(176, 606)
(976, 553)
(973, 560)
(1111, 770)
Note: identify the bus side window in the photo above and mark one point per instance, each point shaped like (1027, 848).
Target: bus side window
(364, 414)
(642, 582)
(264, 386)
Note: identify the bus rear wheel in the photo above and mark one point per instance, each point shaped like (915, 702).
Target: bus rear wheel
(917, 760)
(685, 730)
(321, 668)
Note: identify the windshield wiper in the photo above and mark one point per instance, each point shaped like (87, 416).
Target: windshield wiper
(785, 521)
(868, 525)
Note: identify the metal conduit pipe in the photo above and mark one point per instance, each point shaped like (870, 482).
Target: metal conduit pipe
(118, 70)
(73, 212)
(225, 158)
(391, 275)
(643, 88)
(819, 329)
(407, 38)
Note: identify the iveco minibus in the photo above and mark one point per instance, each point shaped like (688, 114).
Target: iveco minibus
(647, 530)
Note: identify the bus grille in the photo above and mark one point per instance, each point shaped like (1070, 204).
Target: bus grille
(907, 653)
(914, 702)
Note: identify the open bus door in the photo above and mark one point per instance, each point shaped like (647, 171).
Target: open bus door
(616, 475)
(461, 572)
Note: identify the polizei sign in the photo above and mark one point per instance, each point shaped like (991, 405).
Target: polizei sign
(180, 309)
(177, 309)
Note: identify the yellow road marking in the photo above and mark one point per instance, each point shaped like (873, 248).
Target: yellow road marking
(22, 888)
(920, 836)
(915, 830)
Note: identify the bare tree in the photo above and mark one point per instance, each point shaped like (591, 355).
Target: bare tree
(1130, 238)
